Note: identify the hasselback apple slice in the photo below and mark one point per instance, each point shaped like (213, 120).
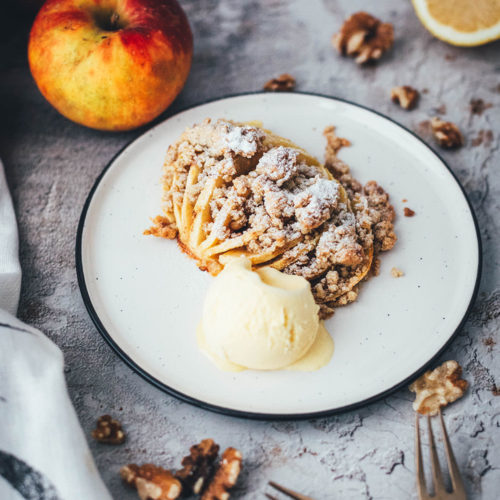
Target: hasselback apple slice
(188, 201)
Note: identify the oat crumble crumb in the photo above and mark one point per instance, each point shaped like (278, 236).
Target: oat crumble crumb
(375, 270)
(162, 228)
(397, 273)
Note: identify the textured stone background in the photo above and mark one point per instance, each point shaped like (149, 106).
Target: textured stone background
(51, 164)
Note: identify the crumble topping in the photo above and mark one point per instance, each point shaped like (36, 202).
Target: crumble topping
(375, 269)
(279, 201)
(162, 228)
(373, 212)
(315, 204)
(242, 140)
(279, 164)
(232, 188)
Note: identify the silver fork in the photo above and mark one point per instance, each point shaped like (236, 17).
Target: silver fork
(440, 492)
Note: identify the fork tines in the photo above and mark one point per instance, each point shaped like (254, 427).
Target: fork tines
(440, 492)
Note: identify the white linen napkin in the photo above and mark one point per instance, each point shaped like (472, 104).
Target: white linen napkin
(43, 451)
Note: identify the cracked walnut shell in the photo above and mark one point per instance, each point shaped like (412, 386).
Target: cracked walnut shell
(108, 430)
(364, 37)
(437, 388)
(225, 477)
(447, 134)
(405, 96)
(151, 482)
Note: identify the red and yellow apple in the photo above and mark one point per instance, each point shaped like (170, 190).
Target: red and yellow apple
(110, 64)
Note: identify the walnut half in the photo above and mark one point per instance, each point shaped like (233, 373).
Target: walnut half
(108, 430)
(151, 482)
(282, 83)
(225, 477)
(364, 37)
(447, 134)
(405, 96)
(437, 388)
(197, 467)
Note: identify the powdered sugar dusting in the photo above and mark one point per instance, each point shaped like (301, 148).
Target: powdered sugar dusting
(242, 140)
(324, 191)
(279, 164)
(316, 203)
(281, 208)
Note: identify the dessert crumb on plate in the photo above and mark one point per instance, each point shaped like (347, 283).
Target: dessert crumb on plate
(397, 273)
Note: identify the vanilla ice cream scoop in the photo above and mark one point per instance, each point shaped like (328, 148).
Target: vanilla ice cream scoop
(262, 319)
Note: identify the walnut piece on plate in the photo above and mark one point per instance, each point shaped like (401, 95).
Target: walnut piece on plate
(197, 467)
(108, 430)
(437, 388)
(405, 96)
(447, 134)
(151, 482)
(282, 83)
(408, 212)
(364, 37)
(225, 477)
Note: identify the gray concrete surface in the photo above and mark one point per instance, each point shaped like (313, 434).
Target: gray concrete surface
(51, 164)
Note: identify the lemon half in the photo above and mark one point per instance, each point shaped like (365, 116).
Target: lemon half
(461, 22)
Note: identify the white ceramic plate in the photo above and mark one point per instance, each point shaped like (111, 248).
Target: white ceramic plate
(145, 296)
